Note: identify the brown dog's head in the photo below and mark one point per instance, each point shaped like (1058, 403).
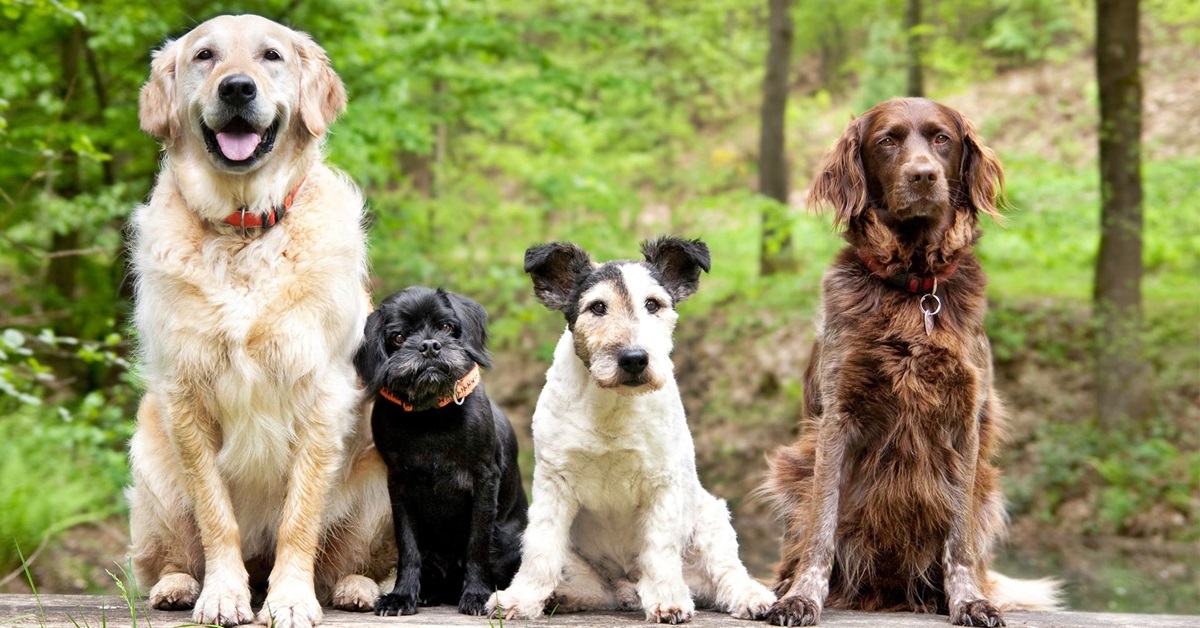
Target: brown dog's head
(912, 158)
(237, 87)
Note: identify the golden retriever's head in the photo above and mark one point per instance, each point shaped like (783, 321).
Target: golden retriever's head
(238, 86)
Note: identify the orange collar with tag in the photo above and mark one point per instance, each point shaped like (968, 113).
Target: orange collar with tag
(246, 220)
(462, 389)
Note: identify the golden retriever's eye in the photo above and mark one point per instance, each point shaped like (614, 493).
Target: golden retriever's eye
(204, 55)
(272, 55)
(887, 141)
(652, 305)
(598, 308)
(397, 339)
(941, 138)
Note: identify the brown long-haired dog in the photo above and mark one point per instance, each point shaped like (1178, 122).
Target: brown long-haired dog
(889, 497)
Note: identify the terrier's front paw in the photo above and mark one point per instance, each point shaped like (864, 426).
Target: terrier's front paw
(174, 592)
(290, 607)
(794, 610)
(355, 593)
(515, 603)
(668, 613)
(976, 613)
(223, 605)
(394, 604)
(754, 602)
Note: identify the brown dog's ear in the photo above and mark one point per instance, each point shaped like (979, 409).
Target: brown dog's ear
(841, 180)
(554, 268)
(982, 176)
(156, 102)
(322, 95)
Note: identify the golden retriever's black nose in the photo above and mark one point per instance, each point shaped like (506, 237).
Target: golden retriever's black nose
(633, 361)
(237, 90)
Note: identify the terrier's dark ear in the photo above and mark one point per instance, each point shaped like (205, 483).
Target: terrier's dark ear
(678, 263)
(372, 352)
(555, 267)
(472, 320)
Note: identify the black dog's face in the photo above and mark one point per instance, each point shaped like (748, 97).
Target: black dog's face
(419, 342)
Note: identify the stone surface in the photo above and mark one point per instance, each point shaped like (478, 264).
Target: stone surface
(112, 612)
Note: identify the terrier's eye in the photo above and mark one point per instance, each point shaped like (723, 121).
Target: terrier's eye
(652, 305)
(272, 55)
(942, 138)
(598, 308)
(204, 55)
(447, 328)
(397, 339)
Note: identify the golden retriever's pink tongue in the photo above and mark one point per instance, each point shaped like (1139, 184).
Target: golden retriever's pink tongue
(237, 146)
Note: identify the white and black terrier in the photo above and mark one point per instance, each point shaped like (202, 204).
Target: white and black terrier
(457, 501)
(619, 520)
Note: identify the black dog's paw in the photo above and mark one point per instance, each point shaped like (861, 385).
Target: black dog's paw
(394, 604)
(794, 610)
(474, 602)
(976, 613)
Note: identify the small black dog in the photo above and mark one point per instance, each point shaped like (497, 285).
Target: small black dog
(457, 500)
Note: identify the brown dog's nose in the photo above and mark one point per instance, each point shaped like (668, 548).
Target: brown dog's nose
(921, 173)
(237, 90)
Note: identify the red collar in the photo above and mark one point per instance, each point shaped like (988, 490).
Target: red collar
(916, 283)
(462, 388)
(246, 220)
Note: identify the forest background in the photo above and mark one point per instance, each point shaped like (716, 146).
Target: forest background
(477, 128)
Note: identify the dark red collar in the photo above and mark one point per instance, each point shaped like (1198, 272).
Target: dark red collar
(246, 220)
(917, 283)
(462, 388)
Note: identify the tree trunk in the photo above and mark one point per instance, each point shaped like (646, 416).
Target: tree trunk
(1122, 377)
(912, 23)
(63, 270)
(772, 159)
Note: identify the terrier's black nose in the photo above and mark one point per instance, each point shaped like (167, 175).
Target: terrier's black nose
(633, 361)
(430, 348)
(237, 90)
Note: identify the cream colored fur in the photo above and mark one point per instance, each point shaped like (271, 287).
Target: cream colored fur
(252, 451)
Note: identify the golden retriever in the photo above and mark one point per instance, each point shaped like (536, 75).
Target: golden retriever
(252, 454)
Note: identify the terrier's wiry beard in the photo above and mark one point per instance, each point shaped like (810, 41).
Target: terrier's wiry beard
(421, 381)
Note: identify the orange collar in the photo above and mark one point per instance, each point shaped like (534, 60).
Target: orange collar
(245, 220)
(462, 388)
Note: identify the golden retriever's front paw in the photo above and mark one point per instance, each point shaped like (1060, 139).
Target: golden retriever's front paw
(754, 602)
(515, 603)
(355, 593)
(219, 605)
(174, 592)
(293, 607)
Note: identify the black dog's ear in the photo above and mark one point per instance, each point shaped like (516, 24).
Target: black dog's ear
(472, 320)
(554, 268)
(372, 352)
(678, 262)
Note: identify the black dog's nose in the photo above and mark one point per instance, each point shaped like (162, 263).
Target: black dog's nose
(922, 173)
(237, 90)
(430, 348)
(633, 361)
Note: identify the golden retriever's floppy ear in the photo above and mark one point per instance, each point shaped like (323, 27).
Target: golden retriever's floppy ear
(322, 95)
(841, 180)
(982, 176)
(156, 103)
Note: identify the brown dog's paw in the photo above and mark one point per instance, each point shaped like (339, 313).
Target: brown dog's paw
(794, 610)
(976, 613)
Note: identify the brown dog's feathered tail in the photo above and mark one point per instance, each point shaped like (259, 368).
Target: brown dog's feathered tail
(1027, 595)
